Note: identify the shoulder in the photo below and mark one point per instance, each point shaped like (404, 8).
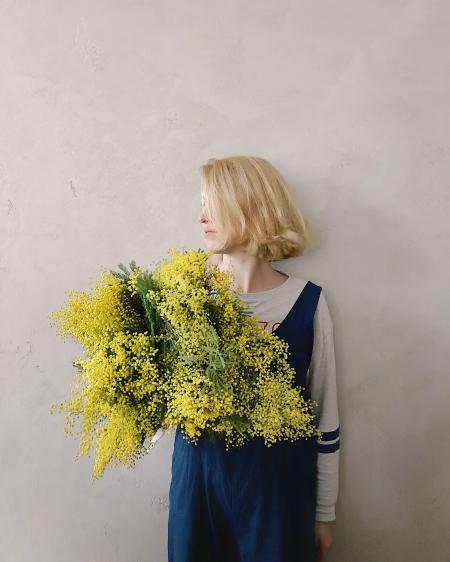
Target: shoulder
(299, 283)
(322, 314)
(322, 317)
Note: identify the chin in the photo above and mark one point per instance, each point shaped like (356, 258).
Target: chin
(212, 246)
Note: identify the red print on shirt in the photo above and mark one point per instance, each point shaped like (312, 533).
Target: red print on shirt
(265, 324)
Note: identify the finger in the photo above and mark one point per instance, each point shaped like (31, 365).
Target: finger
(321, 554)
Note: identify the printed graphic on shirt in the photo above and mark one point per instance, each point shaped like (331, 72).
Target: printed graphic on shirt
(269, 326)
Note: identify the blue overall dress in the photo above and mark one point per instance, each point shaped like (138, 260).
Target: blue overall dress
(252, 503)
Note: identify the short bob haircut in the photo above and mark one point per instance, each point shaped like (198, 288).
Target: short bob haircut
(249, 204)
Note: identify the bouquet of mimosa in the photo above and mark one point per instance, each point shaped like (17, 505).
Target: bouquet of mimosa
(175, 346)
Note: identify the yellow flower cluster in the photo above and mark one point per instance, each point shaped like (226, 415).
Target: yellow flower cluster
(93, 320)
(175, 347)
(118, 392)
(231, 378)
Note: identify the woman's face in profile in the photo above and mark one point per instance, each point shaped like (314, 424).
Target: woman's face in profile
(208, 230)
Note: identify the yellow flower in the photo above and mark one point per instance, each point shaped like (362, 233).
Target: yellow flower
(175, 347)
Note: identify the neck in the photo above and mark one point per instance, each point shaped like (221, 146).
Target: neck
(250, 274)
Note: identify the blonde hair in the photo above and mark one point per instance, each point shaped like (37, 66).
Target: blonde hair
(249, 202)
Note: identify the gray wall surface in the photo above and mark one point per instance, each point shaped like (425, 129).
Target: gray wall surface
(107, 109)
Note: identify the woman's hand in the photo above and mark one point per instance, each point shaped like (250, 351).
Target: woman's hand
(323, 539)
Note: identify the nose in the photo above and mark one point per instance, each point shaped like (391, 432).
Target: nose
(202, 218)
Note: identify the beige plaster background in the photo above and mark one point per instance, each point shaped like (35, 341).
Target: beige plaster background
(107, 109)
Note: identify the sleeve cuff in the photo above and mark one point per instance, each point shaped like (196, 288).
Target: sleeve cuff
(326, 514)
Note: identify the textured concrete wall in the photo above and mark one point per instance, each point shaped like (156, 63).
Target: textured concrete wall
(107, 109)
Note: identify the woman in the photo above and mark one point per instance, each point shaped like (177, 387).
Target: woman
(256, 503)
